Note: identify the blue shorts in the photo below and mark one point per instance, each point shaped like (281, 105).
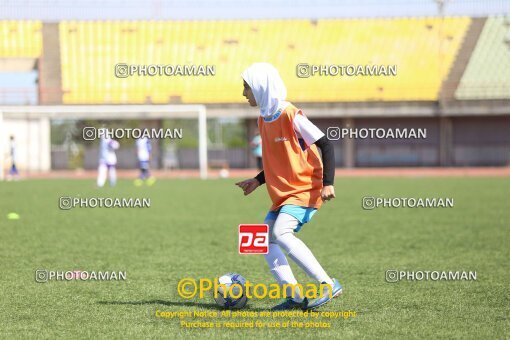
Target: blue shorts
(302, 214)
(144, 165)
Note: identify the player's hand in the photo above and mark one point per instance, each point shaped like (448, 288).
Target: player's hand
(248, 185)
(328, 192)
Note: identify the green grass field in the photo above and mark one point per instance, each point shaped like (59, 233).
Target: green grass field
(190, 230)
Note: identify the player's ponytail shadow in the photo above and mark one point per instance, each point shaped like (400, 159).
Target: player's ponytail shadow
(175, 304)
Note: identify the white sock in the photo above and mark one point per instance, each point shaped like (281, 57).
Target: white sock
(113, 176)
(281, 271)
(280, 267)
(283, 230)
(101, 175)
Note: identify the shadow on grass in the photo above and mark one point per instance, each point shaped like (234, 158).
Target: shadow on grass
(175, 303)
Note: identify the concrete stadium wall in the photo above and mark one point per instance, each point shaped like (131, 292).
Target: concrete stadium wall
(32, 137)
(474, 141)
(479, 141)
(373, 152)
(187, 158)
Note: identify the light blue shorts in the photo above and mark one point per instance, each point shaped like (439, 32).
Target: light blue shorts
(302, 214)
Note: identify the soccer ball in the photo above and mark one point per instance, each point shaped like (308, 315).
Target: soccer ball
(235, 295)
(224, 173)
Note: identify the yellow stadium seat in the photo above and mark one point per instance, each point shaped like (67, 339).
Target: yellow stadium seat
(20, 39)
(423, 49)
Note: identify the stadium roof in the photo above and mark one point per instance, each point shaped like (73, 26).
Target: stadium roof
(57, 10)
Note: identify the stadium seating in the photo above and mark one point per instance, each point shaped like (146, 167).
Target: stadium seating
(20, 39)
(487, 75)
(422, 48)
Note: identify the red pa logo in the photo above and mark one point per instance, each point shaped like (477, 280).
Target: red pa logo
(253, 239)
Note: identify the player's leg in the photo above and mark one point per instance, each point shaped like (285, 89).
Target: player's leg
(150, 180)
(282, 272)
(139, 181)
(112, 175)
(101, 175)
(143, 170)
(12, 172)
(283, 231)
(145, 174)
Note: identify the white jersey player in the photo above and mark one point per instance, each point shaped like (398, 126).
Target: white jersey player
(107, 161)
(13, 171)
(144, 150)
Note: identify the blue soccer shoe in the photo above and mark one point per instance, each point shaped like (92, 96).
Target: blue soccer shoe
(325, 298)
(289, 304)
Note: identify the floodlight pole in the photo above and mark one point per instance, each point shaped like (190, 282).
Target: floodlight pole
(202, 142)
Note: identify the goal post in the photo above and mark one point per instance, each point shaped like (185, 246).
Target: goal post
(104, 112)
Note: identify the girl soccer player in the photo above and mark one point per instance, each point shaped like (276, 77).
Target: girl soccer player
(296, 179)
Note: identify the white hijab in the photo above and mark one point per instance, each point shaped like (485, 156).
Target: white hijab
(267, 87)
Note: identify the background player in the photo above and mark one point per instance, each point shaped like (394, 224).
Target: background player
(107, 161)
(256, 147)
(143, 151)
(295, 178)
(13, 170)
